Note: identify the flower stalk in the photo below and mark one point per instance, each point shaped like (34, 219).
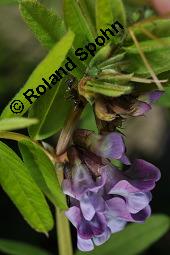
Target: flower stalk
(62, 225)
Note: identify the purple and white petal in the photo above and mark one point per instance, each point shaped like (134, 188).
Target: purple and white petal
(138, 201)
(141, 108)
(74, 215)
(142, 215)
(81, 180)
(98, 224)
(135, 199)
(87, 207)
(110, 146)
(84, 245)
(119, 209)
(99, 240)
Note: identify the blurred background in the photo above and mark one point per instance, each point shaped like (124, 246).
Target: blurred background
(147, 137)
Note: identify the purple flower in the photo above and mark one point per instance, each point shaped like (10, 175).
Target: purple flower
(110, 145)
(104, 200)
(129, 105)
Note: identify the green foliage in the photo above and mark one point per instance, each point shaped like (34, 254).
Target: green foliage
(150, 46)
(88, 119)
(47, 27)
(16, 123)
(42, 171)
(17, 248)
(135, 238)
(48, 66)
(23, 191)
(156, 27)
(108, 11)
(44, 23)
(88, 9)
(52, 110)
(75, 20)
(158, 59)
(107, 89)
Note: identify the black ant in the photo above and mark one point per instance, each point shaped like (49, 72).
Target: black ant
(73, 92)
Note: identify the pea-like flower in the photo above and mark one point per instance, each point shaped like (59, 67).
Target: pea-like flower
(108, 145)
(102, 198)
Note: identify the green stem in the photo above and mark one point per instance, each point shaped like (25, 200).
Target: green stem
(62, 225)
(63, 234)
(68, 130)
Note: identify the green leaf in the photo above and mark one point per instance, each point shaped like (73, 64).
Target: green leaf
(16, 123)
(45, 69)
(87, 120)
(47, 27)
(44, 23)
(42, 171)
(135, 238)
(158, 59)
(23, 191)
(107, 89)
(13, 136)
(156, 28)
(17, 248)
(75, 20)
(109, 11)
(54, 103)
(88, 10)
(150, 46)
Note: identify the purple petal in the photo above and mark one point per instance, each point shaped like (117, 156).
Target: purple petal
(85, 230)
(143, 175)
(67, 188)
(135, 199)
(155, 95)
(141, 108)
(112, 176)
(138, 201)
(117, 208)
(111, 146)
(99, 240)
(124, 159)
(81, 181)
(84, 245)
(74, 215)
(113, 222)
(100, 181)
(88, 229)
(98, 224)
(142, 215)
(87, 207)
(91, 203)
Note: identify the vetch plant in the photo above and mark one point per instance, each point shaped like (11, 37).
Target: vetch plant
(79, 176)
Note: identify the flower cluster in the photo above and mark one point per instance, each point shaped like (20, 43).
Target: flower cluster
(111, 111)
(103, 198)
